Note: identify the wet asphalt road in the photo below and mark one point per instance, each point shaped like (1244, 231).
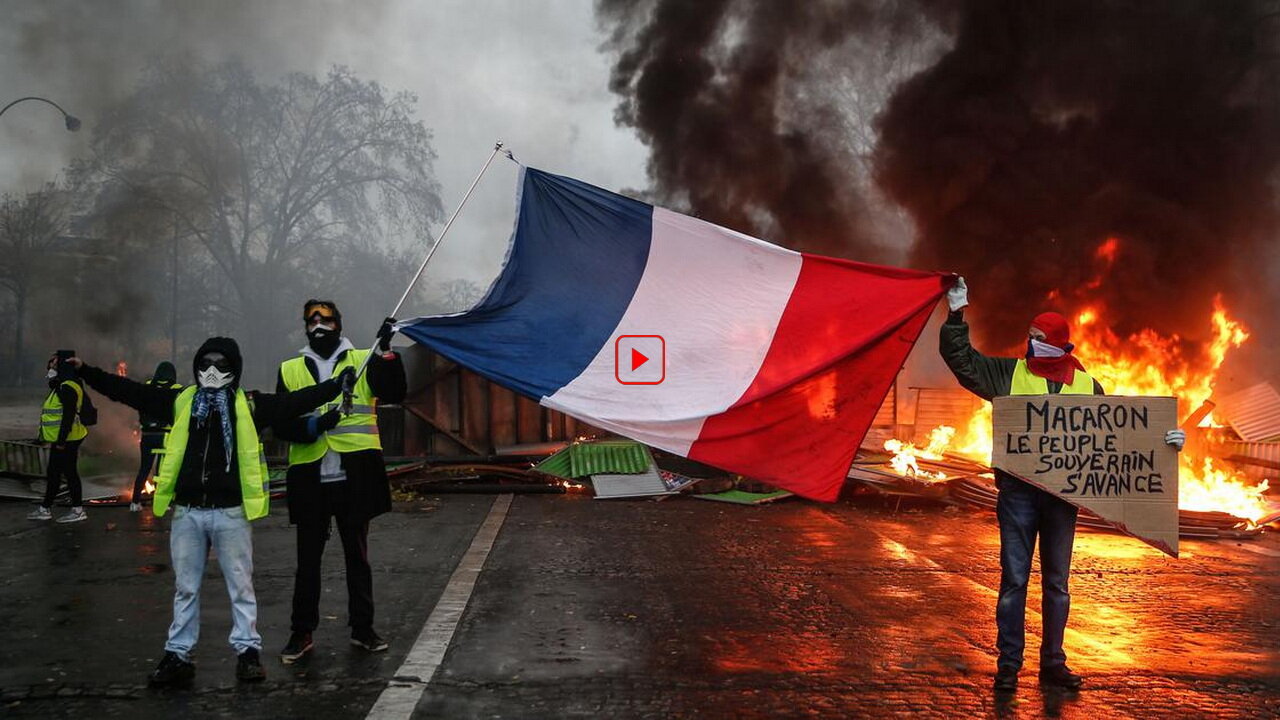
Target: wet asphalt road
(682, 608)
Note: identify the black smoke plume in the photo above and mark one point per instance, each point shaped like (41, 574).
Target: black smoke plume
(1051, 127)
(1036, 133)
(717, 90)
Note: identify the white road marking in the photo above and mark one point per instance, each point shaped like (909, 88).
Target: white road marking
(404, 691)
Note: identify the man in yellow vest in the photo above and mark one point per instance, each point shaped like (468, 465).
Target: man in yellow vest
(62, 428)
(151, 432)
(1023, 510)
(215, 476)
(336, 471)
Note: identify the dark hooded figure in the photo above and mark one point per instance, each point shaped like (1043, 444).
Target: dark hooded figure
(213, 474)
(151, 432)
(1026, 512)
(62, 427)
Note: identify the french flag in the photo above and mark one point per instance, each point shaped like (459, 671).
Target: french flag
(767, 362)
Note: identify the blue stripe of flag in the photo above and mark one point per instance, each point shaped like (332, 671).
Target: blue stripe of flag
(577, 256)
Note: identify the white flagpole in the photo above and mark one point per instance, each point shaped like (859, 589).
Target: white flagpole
(497, 148)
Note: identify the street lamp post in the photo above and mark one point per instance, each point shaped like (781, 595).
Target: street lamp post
(72, 122)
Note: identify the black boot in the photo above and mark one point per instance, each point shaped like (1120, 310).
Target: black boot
(1060, 676)
(1006, 679)
(249, 667)
(172, 670)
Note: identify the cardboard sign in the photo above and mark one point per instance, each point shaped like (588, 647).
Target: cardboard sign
(1105, 454)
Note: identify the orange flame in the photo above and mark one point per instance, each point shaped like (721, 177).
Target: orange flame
(905, 455)
(1148, 363)
(148, 487)
(122, 369)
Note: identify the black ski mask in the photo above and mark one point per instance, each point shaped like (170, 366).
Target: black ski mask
(316, 315)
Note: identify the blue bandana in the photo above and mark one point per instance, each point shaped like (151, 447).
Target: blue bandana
(217, 399)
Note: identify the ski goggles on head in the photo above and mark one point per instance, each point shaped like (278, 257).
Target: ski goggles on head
(319, 312)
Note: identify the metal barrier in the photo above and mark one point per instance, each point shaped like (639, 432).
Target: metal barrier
(23, 458)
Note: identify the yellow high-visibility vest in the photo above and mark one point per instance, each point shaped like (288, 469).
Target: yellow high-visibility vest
(250, 459)
(51, 415)
(354, 432)
(1026, 382)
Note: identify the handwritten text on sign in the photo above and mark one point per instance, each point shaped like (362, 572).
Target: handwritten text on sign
(1104, 454)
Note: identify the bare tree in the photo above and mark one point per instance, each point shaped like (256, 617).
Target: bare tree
(29, 226)
(269, 177)
(454, 296)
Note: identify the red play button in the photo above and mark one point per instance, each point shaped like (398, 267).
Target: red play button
(640, 359)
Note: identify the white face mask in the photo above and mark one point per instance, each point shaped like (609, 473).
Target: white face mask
(51, 374)
(213, 379)
(1045, 350)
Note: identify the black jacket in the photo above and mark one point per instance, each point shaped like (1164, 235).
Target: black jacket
(367, 488)
(206, 479)
(164, 376)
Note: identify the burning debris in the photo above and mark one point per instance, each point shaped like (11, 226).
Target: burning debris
(905, 454)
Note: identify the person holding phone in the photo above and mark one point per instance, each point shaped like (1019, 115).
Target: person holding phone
(63, 429)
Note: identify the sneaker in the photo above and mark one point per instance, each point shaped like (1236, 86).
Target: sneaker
(40, 513)
(369, 640)
(172, 670)
(299, 644)
(249, 668)
(75, 514)
(1006, 679)
(1060, 676)
(135, 507)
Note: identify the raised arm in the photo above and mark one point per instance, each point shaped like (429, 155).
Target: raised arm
(986, 377)
(150, 399)
(386, 377)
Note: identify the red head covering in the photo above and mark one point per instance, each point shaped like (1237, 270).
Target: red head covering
(1055, 328)
(1057, 333)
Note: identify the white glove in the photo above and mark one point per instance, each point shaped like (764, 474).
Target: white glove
(1176, 438)
(958, 295)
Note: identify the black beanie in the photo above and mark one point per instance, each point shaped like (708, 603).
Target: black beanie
(229, 349)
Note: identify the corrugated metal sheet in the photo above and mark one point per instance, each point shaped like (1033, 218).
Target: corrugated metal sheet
(604, 456)
(887, 415)
(1253, 413)
(643, 484)
(943, 406)
(1265, 457)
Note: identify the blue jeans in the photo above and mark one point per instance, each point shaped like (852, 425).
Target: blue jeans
(193, 532)
(1025, 511)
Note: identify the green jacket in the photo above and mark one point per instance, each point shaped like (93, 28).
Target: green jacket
(984, 376)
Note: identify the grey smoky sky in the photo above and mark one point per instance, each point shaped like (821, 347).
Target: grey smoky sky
(530, 73)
